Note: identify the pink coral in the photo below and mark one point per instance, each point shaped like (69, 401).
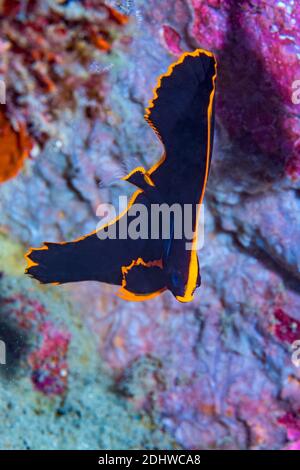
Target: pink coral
(49, 363)
(292, 424)
(172, 39)
(27, 313)
(257, 44)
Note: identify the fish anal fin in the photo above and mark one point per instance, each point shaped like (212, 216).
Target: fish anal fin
(142, 280)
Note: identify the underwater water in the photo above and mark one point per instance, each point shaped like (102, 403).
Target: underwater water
(80, 368)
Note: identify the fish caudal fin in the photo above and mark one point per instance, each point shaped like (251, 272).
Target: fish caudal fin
(50, 264)
(60, 263)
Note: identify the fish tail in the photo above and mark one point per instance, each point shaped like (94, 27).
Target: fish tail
(50, 264)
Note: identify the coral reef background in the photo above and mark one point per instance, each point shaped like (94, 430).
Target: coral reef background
(86, 370)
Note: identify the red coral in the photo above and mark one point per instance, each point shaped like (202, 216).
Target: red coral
(14, 149)
(44, 58)
(287, 328)
(49, 363)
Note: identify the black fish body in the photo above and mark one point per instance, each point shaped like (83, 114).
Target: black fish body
(182, 115)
